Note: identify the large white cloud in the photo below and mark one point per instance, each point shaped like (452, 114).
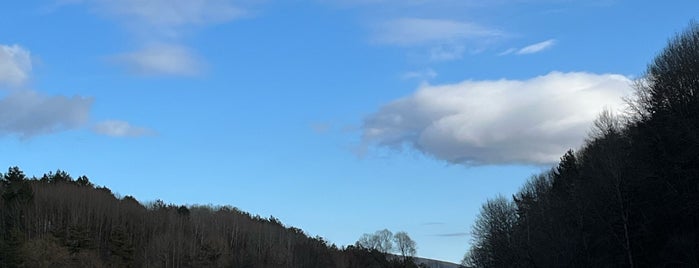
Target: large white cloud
(504, 121)
(15, 65)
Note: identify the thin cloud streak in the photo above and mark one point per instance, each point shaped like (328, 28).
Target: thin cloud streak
(118, 128)
(453, 235)
(530, 49)
(433, 223)
(423, 75)
(419, 31)
(538, 47)
(161, 59)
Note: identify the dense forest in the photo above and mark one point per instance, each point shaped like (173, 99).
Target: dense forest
(629, 197)
(58, 221)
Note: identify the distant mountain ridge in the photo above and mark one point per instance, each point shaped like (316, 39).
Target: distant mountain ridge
(436, 263)
(430, 263)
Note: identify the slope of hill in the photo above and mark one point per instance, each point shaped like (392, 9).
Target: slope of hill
(55, 221)
(436, 263)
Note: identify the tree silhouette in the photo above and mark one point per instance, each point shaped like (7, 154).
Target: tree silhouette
(629, 197)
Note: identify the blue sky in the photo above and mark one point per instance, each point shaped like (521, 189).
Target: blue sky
(340, 117)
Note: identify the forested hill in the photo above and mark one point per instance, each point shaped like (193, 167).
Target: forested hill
(628, 198)
(58, 221)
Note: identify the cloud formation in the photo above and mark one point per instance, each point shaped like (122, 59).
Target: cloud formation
(531, 49)
(453, 234)
(15, 65)
(29, 113)
(168, 17)
(538, 47)
(423, 75)
(531, 121)
(164, 22)
(118, 128)
(161, 59)
(444, 39)
(418, 31)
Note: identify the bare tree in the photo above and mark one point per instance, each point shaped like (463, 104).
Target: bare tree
(405, 245)
(492, 235)
(384, 240)
(381, 240)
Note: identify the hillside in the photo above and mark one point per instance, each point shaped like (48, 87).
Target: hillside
(629, 197)
(436, 263)
(56, 221)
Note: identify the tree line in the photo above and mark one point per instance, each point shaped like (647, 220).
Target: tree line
(629, 197)
(387, 242)
(58, 221)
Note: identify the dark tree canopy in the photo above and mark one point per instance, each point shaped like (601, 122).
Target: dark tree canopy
(56, 221)
(629, 197)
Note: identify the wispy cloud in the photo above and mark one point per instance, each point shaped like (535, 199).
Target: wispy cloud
(419, 31)
(446, 52)
(530, 121)
(453, 235)
(433, 223)
(442, 39)
(118, 128)
(508, 52)
(536, 48)
(161, 59)
(168, 17)
(530, 49)
(164, 22)
(423, 75)
(15, 65)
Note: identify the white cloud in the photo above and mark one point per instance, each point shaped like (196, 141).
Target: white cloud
(418, 31)
(530, 121)
(508, 52)
(423, 75)
(538, 47)
(169, 15)
(28, 113)
(164, 22)
(15, 65)
(161, 59)
(118, 128)
(447, 52)
(530, 49)
(443, 39)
